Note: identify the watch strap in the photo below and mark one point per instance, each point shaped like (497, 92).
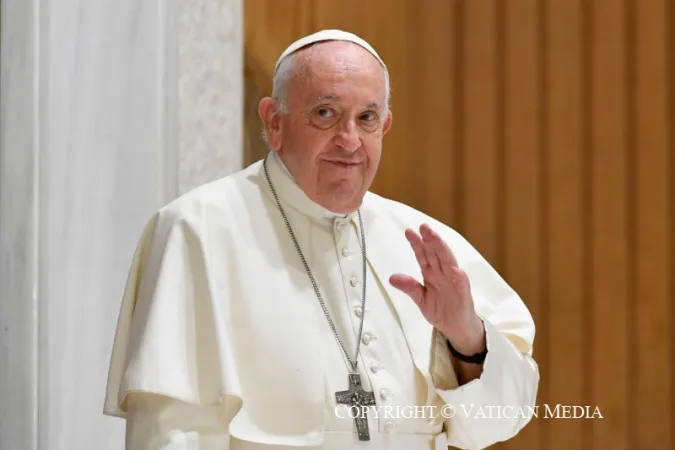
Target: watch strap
(477, 358)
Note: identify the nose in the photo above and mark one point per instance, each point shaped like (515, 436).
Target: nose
(347, 137)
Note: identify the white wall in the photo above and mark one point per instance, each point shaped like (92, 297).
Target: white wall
(110, 109)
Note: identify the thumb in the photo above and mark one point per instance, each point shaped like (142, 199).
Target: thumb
(410, 286)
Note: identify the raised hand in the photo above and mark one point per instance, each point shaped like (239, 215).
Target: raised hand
(444, 295)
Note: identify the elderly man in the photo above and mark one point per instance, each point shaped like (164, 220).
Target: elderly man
(287, 306)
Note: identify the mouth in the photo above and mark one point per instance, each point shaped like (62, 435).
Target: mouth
(345, 164)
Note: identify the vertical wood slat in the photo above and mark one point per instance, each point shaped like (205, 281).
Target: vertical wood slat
(670, 214)
(403, 163)
(651, 296)
(402, 174)
(480, 150)
(631, 136)
(609, 262)
(437, 39)
(587, 213)
(458, 140)
(567, 342)
(522, 205)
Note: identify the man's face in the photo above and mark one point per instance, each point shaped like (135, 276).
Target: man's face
(331, 137)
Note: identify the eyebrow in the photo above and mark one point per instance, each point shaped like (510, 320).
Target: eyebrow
(335, 98)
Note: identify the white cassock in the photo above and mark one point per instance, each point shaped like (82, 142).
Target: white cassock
(222, 342)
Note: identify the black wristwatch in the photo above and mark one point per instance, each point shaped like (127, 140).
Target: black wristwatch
(477, 358)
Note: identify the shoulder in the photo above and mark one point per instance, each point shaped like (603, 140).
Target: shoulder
(404, 216)
(222, 197)
(400, 213)
(210, 207)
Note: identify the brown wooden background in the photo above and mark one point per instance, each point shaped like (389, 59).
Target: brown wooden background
(543, 131)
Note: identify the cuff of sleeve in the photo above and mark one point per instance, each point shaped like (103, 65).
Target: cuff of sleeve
(505, 381)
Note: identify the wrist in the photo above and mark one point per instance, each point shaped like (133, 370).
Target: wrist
(471, 342)
(471, 359)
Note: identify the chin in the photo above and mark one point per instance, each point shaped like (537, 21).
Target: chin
(341, 201)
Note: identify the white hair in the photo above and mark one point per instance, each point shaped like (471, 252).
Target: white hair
(287, 70)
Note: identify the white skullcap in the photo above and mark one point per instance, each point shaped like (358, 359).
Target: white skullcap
(327, 35)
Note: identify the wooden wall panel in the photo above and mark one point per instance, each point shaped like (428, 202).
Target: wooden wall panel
(543, 130)
(609, 151)
(481, 110)
(520, 199)
(650, 199)
(439, 39)
(565, 355)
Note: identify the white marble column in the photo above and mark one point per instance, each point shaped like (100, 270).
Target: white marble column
(110, 109)
(211, 87)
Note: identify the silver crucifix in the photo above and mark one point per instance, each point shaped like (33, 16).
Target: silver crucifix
(358, 400)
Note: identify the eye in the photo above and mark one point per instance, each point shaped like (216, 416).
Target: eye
(323, 117)
(325, 113)
(368, 116)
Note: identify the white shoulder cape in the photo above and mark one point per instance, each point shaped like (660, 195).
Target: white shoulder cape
(217, 308)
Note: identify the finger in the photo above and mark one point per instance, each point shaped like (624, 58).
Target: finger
(430, 248)
(418, 248)
(441, 249)
(410, 286)
(462, 283)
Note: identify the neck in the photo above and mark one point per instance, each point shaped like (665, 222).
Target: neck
(336, 209)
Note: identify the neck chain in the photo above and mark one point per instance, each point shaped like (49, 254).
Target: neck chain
(352, 362)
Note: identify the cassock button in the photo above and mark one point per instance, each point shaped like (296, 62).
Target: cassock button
(345, 252)
(389, 425)
(367, 337)
(358, 311)
(354, 281)
(375, 367)
(385, 394)
(338, 226)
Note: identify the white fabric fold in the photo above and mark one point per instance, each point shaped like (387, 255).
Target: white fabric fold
(219, 317)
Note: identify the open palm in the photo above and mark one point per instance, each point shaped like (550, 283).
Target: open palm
(444, 295)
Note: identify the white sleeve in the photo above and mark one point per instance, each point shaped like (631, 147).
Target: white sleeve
(159, 423)
(501, 402)
(494, 407)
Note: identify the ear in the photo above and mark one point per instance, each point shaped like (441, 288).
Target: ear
(271, 119)
(387, 122)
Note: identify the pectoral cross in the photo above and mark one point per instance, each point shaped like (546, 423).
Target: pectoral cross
(358, 400)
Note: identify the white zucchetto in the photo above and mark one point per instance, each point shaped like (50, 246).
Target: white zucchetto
(327, 35)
